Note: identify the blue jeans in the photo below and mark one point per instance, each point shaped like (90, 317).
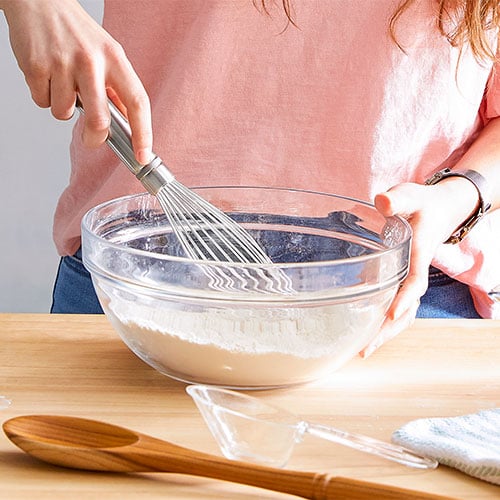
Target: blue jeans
(73, 290)
(74, 293)
(446, 298)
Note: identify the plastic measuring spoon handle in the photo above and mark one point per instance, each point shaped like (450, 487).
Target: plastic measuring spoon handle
(367, 444)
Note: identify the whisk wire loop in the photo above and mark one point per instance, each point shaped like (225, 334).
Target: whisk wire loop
(204, 232)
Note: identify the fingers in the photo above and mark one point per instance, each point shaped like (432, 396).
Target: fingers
(117, 80)
(92, 92)
(417, 204)
(139, 116)
(62, 96)
(131, 94)
(403, 199)
(413, 202)
(127, 93)
(409, 294)
(390, 329)
(38, 82)
(63, 52)
(111, 75)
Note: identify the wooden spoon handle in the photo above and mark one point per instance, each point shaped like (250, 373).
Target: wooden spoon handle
(91, 445)
(156, 455)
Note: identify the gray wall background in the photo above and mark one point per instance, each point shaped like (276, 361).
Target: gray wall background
(34, 169)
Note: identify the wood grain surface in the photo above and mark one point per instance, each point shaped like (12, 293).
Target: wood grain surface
(77, 365)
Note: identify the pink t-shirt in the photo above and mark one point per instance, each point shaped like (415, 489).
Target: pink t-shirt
(331, 105)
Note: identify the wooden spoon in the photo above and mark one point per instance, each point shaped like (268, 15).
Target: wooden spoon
(91, 445)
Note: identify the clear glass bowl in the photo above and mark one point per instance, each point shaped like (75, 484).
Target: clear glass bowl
(343, 263)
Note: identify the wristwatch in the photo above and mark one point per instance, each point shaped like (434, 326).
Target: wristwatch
(483, 190)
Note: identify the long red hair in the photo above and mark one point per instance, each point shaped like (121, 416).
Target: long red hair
(470, 22)
(461, 22)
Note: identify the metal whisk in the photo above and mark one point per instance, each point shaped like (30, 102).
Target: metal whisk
(204, 231)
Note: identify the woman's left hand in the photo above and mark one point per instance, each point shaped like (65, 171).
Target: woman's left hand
(433, 213)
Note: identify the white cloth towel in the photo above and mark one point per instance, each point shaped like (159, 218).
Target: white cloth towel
(469, 443)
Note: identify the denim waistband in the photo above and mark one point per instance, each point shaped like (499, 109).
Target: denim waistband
(438, 278)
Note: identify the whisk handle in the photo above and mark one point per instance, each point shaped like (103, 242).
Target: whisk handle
(155, 174)
(119, 137)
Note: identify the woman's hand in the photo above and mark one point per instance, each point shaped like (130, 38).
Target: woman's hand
(63, 52)
(434, 212)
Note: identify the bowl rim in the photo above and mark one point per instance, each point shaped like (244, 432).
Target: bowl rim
(284, 265)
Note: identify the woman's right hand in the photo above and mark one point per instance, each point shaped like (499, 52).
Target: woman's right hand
(63, 52)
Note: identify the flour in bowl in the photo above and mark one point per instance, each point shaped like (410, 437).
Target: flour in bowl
(240, 347)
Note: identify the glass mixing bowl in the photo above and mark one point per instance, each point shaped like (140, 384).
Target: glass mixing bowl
(342, 263)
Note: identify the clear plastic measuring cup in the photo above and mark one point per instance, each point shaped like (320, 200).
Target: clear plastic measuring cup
(249, 429)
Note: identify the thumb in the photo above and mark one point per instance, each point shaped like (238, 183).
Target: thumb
(403, 199)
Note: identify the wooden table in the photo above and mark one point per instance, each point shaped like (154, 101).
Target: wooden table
(77, 365)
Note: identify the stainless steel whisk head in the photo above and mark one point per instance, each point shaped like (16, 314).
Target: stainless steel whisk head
(203, 231)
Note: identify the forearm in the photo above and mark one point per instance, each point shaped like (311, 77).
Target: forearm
(460, 194)
(483, 156)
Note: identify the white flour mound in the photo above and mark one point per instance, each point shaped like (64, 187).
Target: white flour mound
(259, 347)
(304, 332)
